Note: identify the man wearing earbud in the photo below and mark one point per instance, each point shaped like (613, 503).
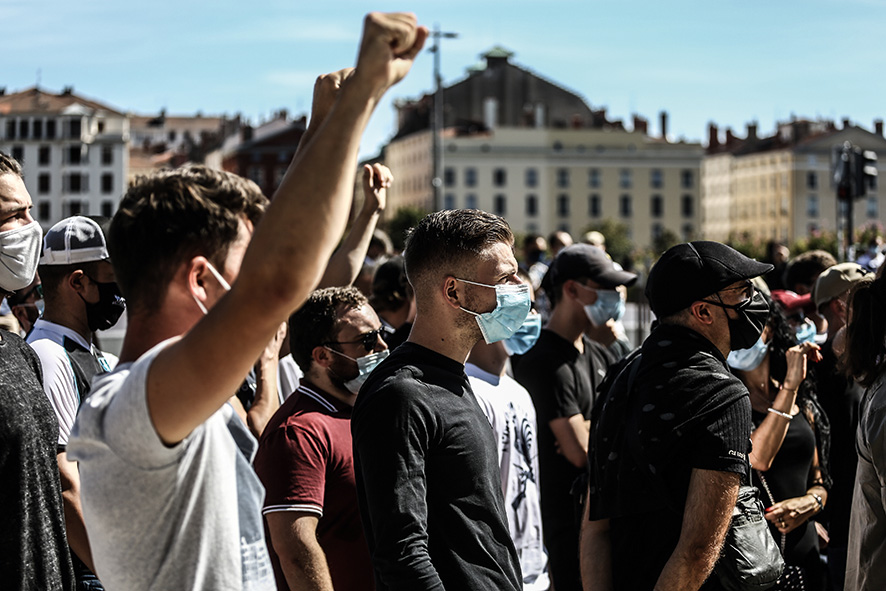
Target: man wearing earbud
(424, 454)
(562, 372)
(305, 458)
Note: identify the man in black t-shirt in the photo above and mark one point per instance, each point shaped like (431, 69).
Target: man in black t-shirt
(562, 372)
(670, 437)
(425, 457)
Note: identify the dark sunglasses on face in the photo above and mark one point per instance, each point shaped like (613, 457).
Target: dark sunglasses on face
(368, 340)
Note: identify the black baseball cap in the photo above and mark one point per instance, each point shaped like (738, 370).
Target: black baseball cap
(691, 271)
(583, 261)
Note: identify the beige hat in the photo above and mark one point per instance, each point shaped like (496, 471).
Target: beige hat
(836, 280)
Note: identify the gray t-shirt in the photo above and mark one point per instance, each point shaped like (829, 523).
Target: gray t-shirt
(159, 518)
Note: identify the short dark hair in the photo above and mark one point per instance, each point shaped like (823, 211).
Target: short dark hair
(51, 276)
(9, 165)
(170, 216)
(318, 320)
(444, 241)
(806, 267)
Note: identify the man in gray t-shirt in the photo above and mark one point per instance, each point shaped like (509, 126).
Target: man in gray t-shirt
(169, 498)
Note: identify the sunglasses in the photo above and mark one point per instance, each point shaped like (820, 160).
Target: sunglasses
(369, 340)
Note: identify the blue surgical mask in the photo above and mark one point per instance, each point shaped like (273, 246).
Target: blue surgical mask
(748, 359)
(607, 306)
(622, 308)
(512, 306)
(806, 332)
(365, 365)
(525, 337)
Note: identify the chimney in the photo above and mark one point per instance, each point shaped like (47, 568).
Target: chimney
(878, 127)
(246, 133)
(845, 122)
(2, 90)
(713, 136)
(641, 125)
(663, 117)
(730, 137)
(752, 131)
(67, 91)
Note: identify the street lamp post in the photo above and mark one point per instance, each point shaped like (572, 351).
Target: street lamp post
(437, 119)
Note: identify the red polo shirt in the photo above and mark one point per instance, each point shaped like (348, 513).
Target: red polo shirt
(305, 462)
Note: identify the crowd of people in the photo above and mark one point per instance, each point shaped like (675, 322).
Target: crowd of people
(297, 408)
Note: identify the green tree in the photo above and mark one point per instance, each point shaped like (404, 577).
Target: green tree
(404, 218)
(666, 239)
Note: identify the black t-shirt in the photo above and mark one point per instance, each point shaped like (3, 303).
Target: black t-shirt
(428, 481)
(562, 383)
(33, 549)
(685, 411)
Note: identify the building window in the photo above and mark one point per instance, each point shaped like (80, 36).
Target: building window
(24, 130)
(656, 206)
(686, 179)
(74, 154)
(624, 178)
(108, 208)
(101, 126)
(43, 211)
(531, 205)
(74, 129)
(38, 129)
(107, 183)
(43, 184)
(107, 154)
(594, 208)
(657, 230)
(563, 177)
(448, 201)
(18, 153)
(50, 129)
(811, 180)
(75, 183)
(624, 206)
(43, 155)
(563, 205)
(449, 177)
(558, 146)
(531, 177)
(656, 180)
(872, 209)
(470, 201)
(812, 206)
(594, 178)
(688, 232)
(500, 205)
(470, 177)
(75, 208)
(10, 129)
(687, 206)
(499, 177)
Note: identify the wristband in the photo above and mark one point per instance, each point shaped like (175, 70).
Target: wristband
(783, 415)
(817, 500)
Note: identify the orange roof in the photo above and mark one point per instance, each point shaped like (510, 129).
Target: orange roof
(35, 100)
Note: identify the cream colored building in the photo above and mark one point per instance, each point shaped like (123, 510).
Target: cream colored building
(543, 180)
(780, 187)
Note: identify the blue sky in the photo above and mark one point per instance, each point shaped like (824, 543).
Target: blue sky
(729, 62)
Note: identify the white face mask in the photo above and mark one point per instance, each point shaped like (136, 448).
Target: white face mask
(221, 281)
(365, 365)
(19, 254)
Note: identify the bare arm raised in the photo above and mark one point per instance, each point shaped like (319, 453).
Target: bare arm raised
(287, 255)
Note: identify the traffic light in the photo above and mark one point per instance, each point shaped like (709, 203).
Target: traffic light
(842, 168)
(865, 171)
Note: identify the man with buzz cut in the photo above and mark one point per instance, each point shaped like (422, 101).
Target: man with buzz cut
(81, 297)
(671, 432)
(169, 495)
(425, 457)
(305, 458)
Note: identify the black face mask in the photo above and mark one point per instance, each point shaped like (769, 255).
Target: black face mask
(746, 329)
(104, 313)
